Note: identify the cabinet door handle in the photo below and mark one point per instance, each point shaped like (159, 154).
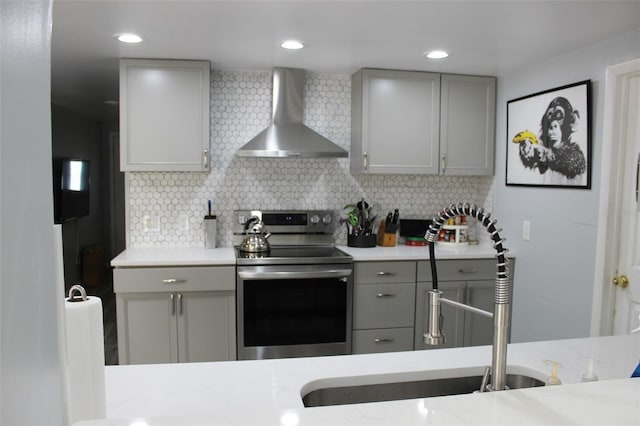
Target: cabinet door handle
(205, 158)
(385, 295)
(383, 340)
(179, 303)
(468, 271)
(382, 273)
(174, 281)
(173, 303)
(443, 161)
(365, 161)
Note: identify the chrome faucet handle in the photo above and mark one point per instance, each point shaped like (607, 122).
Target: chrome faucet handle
(434, 336)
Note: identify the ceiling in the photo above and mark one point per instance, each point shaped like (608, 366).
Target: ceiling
(483, 37)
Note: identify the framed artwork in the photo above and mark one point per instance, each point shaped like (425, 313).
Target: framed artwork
(549, 138)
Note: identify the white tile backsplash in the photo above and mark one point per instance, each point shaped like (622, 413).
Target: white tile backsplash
(167, 208)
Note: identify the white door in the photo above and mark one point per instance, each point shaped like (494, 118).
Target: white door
(627, 276)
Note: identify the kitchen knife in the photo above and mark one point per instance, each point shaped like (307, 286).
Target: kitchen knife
(396, 215)
(388, 219)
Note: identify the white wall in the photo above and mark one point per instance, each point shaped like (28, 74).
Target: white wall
(30, 387)
(553, 283)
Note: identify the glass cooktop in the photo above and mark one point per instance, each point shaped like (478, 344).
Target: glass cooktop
(288, 255)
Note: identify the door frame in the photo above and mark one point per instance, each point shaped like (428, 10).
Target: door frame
(611, 183)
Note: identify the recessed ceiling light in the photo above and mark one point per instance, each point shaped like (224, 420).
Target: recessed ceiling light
(128, 38)
(292, 45)
(437, 54)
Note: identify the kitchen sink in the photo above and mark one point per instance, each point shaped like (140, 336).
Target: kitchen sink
(376, 392)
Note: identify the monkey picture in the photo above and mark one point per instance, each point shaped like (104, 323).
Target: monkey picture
(557, 152)
(554, 154)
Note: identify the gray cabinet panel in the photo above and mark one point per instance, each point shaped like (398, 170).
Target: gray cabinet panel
(458, 270)
(164, 316)
(397, 119)
(383, 305)
(382, 340)
(405, 122)
(146, 328)
(206, 326)
(164, 115)
(384, 272)
(467, 124)
(478, 329)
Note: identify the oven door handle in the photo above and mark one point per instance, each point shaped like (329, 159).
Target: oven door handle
(288, 275)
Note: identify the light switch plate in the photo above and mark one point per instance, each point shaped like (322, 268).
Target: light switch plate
(526, 230)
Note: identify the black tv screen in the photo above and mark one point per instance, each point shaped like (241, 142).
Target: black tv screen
(71, 179)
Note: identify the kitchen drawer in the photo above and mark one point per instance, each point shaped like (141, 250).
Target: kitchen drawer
(384, 272)
(383, 340)
(459, 270)
(138, 280)
(383, 305)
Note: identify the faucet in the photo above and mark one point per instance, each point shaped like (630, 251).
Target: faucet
(502, 304)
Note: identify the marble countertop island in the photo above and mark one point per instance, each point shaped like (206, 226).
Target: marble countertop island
(269, 392)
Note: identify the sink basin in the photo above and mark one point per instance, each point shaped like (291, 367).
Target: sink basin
(376, 392)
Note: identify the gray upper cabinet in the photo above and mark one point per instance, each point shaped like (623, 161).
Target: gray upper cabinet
(467, 125)
(394, 122)
(405, 122)
(164, 115)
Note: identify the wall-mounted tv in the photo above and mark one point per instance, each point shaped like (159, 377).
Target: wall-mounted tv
(71, 179)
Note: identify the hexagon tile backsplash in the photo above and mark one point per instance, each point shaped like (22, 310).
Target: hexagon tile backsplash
(166, 209)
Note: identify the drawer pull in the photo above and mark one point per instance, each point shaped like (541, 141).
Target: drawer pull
(174, 281)
(468, 271)
(385, 295)
(382, 273)
(383, 340)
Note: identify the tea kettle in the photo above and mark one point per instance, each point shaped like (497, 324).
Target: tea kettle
(256, 236)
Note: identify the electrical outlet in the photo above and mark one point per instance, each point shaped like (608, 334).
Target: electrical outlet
(150, 223)
(526, 230)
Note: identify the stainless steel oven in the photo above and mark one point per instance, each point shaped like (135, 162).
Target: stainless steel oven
(296, 299)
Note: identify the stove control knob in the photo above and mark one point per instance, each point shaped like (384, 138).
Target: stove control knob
(326, 219)
(314, 219)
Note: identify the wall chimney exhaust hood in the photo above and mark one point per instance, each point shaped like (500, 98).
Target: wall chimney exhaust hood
(287, 137)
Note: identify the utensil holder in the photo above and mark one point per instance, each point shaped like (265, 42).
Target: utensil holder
(210, 231)
(362, 241)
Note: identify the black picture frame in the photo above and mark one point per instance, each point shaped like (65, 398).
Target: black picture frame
(549, 138)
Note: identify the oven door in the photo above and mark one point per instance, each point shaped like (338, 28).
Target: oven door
(294, 310)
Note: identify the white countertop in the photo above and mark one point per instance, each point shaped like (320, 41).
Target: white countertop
(179, 256)
(269, 391)
(404, 252)
(187, 256)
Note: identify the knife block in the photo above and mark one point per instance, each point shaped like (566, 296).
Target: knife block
(387, 237)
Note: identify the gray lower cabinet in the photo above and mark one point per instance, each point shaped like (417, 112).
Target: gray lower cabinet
(383, 308)
(469, 281)
(183, 314)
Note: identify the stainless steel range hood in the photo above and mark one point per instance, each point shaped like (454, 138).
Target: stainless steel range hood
(287, 137)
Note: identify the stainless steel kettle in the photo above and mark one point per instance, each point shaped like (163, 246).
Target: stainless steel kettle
(256, 237)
